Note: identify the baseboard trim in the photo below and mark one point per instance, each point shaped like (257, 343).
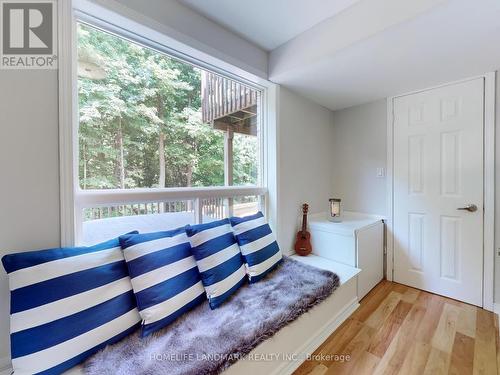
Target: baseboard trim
(5, 366)
(314, 343)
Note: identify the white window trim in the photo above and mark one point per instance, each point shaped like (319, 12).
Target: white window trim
(67, 119)
(72, 198)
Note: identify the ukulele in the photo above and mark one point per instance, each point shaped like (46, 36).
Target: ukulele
(303, 240)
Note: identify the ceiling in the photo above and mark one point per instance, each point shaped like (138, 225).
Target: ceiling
(349, 52)
(447, 41)
(268, 23)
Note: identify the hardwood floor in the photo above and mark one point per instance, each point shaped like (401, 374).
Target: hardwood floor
(401, 330)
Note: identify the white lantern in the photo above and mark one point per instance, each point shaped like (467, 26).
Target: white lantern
(335, 210)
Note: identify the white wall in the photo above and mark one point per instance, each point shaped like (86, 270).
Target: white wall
(29, 187)
(359, 148)
(304, 161)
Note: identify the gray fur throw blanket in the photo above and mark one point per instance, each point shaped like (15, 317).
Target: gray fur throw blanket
(205, 341)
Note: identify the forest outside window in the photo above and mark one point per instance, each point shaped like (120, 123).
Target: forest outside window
(151, 121)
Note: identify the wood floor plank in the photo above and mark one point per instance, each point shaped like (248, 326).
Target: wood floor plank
(424, 299)
(416, 359)
(462, 355)
(372, 300)
(399, 288)
(444, 336)
(437, 363)
(410, 295)
(389, 328)
(401, 345)
(377, 318)
(402, 330)
(335, 344)
(307, 367)
(434, 308)
(485, 361)
(366, 364)
(453, 302)
(318, 370)
(344, 335)
(497, 330)
(467, 320)
(355, 350)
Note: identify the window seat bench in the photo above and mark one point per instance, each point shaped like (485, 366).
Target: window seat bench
(289, 347)
(309, 331)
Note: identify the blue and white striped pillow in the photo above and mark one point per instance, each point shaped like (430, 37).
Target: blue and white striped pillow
(66, 304)
(218, 258)
(164, 276)
(258, 245)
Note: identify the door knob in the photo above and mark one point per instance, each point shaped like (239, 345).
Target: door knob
(469, 207)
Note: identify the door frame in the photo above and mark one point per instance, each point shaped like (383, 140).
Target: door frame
(489, 183)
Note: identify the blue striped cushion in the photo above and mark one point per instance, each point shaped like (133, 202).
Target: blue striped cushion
(218, 258)
(164, 276)
(260, 250)
(66, 304)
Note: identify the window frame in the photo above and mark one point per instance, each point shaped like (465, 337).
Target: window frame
(74, 199)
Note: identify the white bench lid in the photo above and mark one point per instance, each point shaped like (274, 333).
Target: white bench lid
(344, 272)
(351, 222)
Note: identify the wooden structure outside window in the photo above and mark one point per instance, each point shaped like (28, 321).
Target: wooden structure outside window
(231, 107)
(228, 105)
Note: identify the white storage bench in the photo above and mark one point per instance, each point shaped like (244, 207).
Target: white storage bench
(285, 351)
(309, 331)
(357, 241)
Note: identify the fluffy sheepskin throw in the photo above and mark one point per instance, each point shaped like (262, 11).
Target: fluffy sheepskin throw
(206, 341)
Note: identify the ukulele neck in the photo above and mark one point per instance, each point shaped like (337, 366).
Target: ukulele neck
(304, 224)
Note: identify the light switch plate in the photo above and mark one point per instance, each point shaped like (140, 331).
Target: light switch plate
(380, 172)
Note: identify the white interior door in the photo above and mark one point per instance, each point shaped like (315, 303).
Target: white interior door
(438, 171)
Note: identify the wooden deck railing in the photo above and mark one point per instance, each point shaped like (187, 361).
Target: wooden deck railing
(221, 97)
(215, 208)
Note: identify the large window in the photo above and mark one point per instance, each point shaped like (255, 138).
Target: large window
(158, 135)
